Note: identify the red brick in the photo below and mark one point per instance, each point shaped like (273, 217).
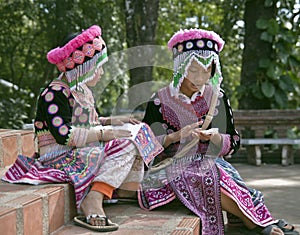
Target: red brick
(33, 217)
(190, 224)
(27, 144)
(8, 221)
(9, 149)
(56, 210)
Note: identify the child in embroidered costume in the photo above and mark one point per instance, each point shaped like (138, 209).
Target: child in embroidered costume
(73, 146)
(192, 119)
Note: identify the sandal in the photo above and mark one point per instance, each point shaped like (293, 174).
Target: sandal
(287, 231)
(263, 230)
(84, 221)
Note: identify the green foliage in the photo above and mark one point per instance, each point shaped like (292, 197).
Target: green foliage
(280, 84)
(14, 108)
(30, 28)
(267, 89)
(224, 17)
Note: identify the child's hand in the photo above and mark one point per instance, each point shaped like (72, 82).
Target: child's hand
(188, 130)
(205, 135)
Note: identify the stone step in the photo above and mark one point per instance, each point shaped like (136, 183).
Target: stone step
(14, 142)
(28, 209)
(50, 208)
(173, 219)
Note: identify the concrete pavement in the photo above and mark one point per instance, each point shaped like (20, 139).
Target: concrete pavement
(280, 186)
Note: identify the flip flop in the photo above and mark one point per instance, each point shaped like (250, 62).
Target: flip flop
(83, 221)
(267, 230)
(282, 224)
(262, 230)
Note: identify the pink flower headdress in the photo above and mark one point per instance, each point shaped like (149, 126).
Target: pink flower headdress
(200, 45)
(79, 58)
(187, 35)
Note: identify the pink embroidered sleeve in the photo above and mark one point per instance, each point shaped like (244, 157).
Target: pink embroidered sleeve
(226, 145)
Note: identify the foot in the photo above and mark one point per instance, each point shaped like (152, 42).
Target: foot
(84, 221)
(269, 230)
(92, 205)
(272, 230)
(286, 227)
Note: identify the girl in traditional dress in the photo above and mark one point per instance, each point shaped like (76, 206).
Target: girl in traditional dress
(73, 144)
(193, 120)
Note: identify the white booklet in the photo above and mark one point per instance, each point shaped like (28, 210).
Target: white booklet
(210, 131)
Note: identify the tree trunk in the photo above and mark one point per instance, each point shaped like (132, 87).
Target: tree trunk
(141, 21)
(254, 49)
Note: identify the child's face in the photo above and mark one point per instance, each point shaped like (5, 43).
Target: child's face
(197, 77)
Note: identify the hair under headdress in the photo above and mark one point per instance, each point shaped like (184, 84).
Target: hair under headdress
(200, 45)
(79, 58)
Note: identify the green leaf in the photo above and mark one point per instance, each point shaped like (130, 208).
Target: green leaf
(294, 62)
(256, 91)
(281, 98)
(282, 85)
(286, 83)
(267, 89)
(283, 57)
(288, 37)
(266, 37)
(262, 24)
(271, 71)
(273, 27)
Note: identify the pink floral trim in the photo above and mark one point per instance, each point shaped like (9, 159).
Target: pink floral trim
(258, 214)
(185, 35)
(58, 54)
